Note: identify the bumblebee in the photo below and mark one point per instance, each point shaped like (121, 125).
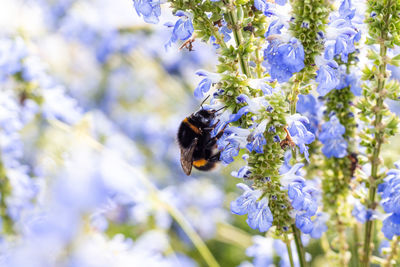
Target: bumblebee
(197, 147)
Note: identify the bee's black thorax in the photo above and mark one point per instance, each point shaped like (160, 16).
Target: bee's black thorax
(196, 129)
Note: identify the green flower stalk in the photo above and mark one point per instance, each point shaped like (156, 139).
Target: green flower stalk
(382, 19)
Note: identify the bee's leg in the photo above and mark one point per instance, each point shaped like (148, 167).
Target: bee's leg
(212, 126)
(220, 133)
(214, 140)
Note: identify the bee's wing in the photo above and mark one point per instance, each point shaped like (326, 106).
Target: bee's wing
(187, 157)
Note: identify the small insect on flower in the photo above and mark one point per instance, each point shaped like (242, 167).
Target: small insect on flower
(198, 146)
(288, 141)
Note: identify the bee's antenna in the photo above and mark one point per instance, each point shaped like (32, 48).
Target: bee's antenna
(215, 111)
(201, 105)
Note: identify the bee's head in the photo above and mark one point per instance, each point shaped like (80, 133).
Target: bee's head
(204, 116)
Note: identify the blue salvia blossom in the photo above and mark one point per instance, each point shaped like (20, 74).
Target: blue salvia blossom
(149, 9)
(233, 139)
(331, 136)
(183, 28)
(361, 213)
(327, 75)
(300, 134)
(353, 79)
(256, 138)
(270, 9)
(304, 198)
(205, 85)
(259, 215)
(284, 54)
(320, 226)
(309, 106)
(283, 58)
(263, 85)
(390, 192)
(341, 35)
(236, 138)
(244, 171)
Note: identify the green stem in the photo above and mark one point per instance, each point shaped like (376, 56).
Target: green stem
(289, 250)
(295, 93)
(237, 34)
(258, 62)
(355, 246)
(374, 160)
(299, 246)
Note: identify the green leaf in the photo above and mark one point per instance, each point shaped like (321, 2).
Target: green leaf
(395, 61)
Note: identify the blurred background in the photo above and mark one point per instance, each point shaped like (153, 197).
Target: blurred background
(90, 105)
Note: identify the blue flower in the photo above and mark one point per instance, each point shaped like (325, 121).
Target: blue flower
(246, 202)
(205, 84)
(327, 77)
(262, 84)
(319, 225)
(336, 148)
(361, 213)
(391, 226)
(341, 34)
(299, 133)
(243, 172)
(259, 214)
(304, 198)
(261, 217)
(390, 190)
(256, 138)
(345, 10)
(149, 9)
(231, 142)
(284, 59)
(304, 223)
(332, 137)
(183, 28)
(353, 80)
(274, 28)
(261, 5)
(307, 104)
(229, 152)
(331, 129)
